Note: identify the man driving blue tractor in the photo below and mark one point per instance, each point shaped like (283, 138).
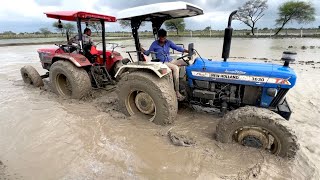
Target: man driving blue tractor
(161, 48)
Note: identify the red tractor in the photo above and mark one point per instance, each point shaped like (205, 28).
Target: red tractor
(75, 68)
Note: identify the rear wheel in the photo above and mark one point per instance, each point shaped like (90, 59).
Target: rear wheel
(145, 95)
(68, 80)
(259, 128)
(31, 76)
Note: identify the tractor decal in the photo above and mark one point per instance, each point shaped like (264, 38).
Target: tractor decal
(234, 72)
(279, 81)
(259, 79)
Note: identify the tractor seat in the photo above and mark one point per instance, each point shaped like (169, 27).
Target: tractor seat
(68, 48)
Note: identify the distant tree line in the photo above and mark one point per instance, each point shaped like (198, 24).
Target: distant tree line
(249, 13)
(67, 28)
(252, 11)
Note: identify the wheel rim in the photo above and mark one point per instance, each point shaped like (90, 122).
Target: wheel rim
(259, 138)
(141, 103)
(144, 103)
(27, 79)
(63, 85)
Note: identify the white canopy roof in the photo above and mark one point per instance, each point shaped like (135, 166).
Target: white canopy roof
(169, 10)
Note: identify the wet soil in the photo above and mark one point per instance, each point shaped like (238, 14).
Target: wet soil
(43, 136)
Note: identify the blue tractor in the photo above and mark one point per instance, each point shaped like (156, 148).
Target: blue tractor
(250, 96)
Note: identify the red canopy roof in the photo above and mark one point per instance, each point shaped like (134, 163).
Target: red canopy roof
(73, 15)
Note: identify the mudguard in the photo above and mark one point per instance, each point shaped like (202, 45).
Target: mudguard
(158, 68)
(77, 59)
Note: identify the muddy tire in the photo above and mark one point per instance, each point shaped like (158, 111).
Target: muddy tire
(31, 76)
(68, 80)
(259, 128)
(147, 96)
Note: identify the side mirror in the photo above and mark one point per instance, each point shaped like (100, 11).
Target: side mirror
(60, 24)
(190, 50)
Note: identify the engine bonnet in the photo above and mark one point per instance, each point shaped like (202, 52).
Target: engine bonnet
(257, 74)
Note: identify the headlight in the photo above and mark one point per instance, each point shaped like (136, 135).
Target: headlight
(272, 92)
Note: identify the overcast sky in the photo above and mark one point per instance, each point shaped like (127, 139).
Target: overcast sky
(27, 15)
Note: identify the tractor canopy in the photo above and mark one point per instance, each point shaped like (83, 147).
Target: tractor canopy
(254, 74)
(74, 15)
(167, 10)
(89, 51)
(157, 14)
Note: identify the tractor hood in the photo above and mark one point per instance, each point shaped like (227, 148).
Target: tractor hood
(256, 74)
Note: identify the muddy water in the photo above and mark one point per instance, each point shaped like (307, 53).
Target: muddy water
(43, 136)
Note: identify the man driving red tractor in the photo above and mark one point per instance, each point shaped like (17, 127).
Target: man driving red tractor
(86, 38)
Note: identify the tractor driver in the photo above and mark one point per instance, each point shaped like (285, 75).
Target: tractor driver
(85, 38)
(161, 48)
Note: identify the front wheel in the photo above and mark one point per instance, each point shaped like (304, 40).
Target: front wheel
(148, 96)
(68, 80)
(31, 76)
(259, 128)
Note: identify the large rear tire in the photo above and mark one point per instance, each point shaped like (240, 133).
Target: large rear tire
(31, 76)
(259, 128)
(148, 96)
(68, 80)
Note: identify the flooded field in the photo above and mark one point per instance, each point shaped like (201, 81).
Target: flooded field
(43, 136)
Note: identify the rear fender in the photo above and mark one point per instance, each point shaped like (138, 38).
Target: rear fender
(112, 59)
(77, 59)
(157, 68)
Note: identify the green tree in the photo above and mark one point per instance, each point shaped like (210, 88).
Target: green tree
(208, 28)
(127, 23)
(8, 33)
(251, 12)
(45, 31)
(61, 30)
(96, 26)
(69, 28)
(175, 24)
(299, 11)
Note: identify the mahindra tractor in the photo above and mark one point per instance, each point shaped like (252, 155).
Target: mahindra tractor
(250, 96)
(74, 68)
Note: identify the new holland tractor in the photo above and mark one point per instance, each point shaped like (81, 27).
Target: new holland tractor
(250, 95)
(74, 68)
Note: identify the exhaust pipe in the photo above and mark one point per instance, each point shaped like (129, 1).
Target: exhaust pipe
(227, 38)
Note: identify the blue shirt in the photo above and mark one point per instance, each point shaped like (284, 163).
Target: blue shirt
(163, 52)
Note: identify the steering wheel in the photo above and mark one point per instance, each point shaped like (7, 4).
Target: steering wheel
(114, 46)
(98, 43)
(67, 47)
(189, 55)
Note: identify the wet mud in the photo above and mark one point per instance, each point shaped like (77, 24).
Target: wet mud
(43, 136)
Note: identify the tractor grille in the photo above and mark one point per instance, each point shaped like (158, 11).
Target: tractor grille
(279, 97)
